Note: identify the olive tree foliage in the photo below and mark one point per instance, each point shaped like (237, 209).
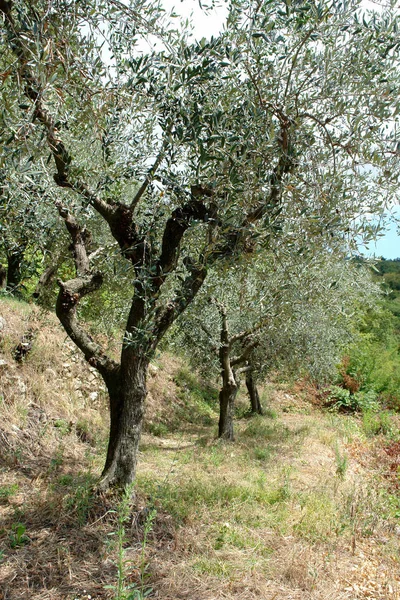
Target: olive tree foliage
(29, 231)
(293, 314)
(191, 153)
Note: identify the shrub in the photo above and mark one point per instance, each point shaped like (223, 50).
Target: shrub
(342, 399)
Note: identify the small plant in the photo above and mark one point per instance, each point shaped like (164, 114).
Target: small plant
(341, 463)
(367, 401)
(122, 589)
(6, 491)
(285, 488)
(80, 501)
(57, 460)
(341, 399)
(17, 535)
(262, 454)
(270, 413)
(374, 423)
(63, 426)
(158, 429)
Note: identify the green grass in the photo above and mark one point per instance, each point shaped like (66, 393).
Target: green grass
(199, 399)
(8, 491)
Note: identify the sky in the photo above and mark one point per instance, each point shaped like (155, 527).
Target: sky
(210, 23)
(388, 245)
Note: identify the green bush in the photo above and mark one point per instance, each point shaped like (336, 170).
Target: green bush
(341, 399)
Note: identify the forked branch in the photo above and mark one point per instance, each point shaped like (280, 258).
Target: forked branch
(72, 291)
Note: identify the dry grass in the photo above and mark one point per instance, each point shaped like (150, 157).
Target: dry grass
(300, 507)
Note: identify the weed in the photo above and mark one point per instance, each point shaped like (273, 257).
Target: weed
(80, 501)
(228, 535)
(262, 454)
(216, 456)
(373, 423)
(342, 399)
(199, 398)
(260, 428)
(319, 516)
(270, 413)
(189, 381)
(158, 429)
(57, 460)
(341, 462)
(214, 567)
(345, 426)
(63, 426)
(122, 589)
(7, 491)
(17, 535)
(65, 480)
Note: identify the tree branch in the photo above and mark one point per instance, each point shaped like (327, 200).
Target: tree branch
(72, 291)
(237, 360)
(150, 174)
(117, 215)
(166, 315)
(175, 228)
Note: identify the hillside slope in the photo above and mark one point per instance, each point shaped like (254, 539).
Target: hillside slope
(304, 505)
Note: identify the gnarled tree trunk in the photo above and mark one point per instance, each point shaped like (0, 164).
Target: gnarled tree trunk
(3, 277)
(46, 279)
(127, 392)
(255, 404)
(14, 274)
(227, 398)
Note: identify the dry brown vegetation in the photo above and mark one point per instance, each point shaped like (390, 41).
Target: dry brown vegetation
(304, 505)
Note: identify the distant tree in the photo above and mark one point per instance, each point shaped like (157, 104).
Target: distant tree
(295, 316)
(193, 153)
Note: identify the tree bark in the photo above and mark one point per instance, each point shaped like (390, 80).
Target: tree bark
(14, 274)
(227, 398)
(3, 277)
(254, 396)
(45, 280)
(127, 391)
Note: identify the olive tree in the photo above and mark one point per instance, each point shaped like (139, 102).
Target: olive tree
(190, 153)
(294, 314)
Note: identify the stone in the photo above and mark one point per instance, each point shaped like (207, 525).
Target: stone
(50, 373)
(153, 369)
(93, 396)
(19, 385)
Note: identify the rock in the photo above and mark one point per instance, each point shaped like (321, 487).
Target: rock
(3, 364)
(93, 396)
(19, 385)
(50, 373)
(3, 325)
(153, 369)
